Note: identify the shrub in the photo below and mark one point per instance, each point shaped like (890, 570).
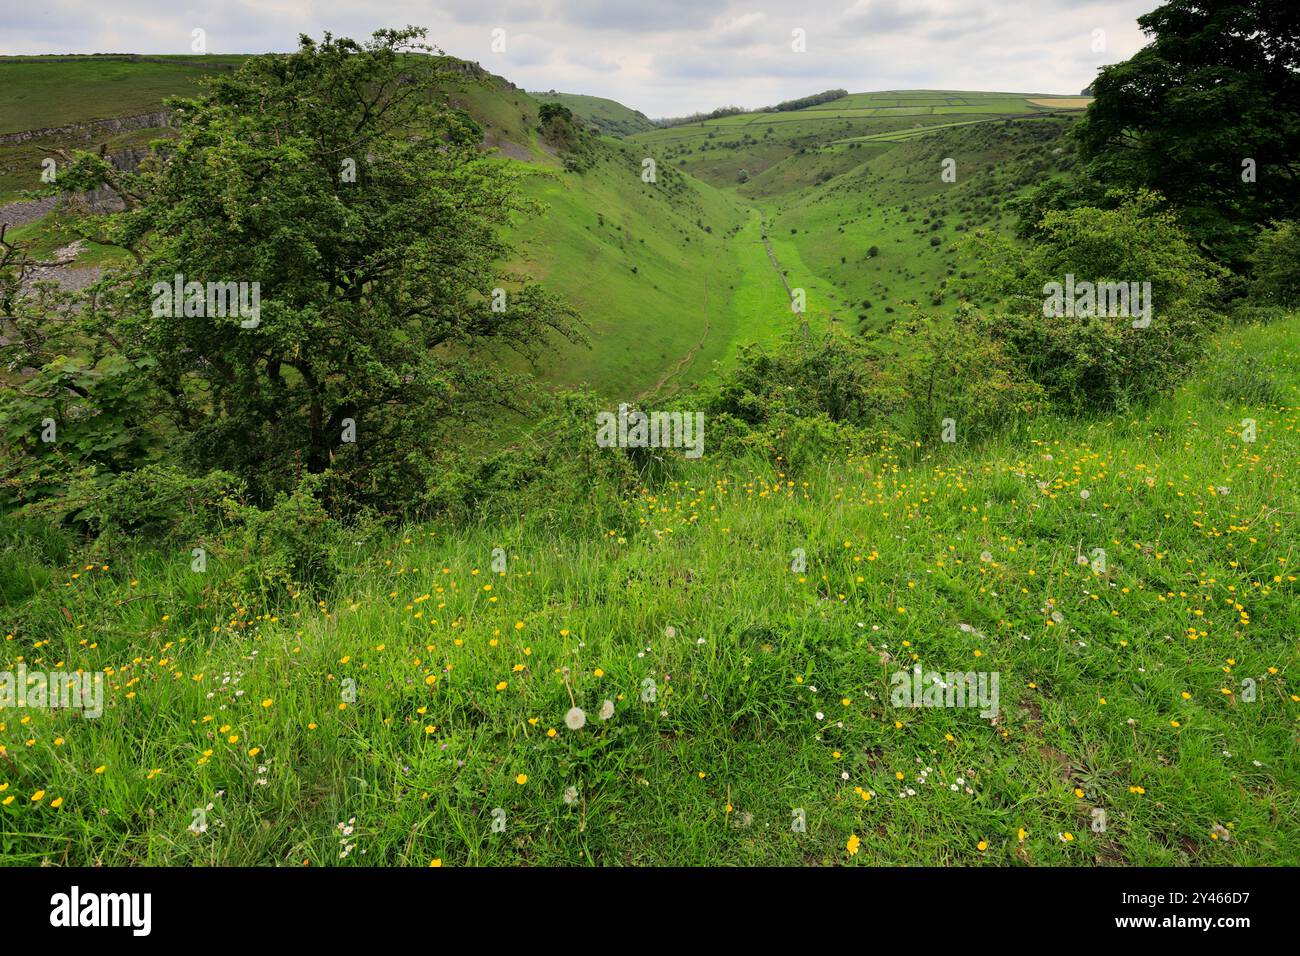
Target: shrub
(1275, 266)
(1100, 361)
(953, 371)
(290, 545)
(156, 503)
(555, 473)
(838, 377)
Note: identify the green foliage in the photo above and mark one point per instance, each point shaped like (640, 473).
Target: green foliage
(561, 130)
(554, 111)
(1100, 361)
(837, 377)
(554, 475)
(468, 127)
(609, 116)
(373, 227)
(1217, 86)
(76, 402)
(810, 400)
(792, 443)
(291, 545)
(954, 371)
(1059, 193)
(1275, 265)
(816, 99)
(153, 504)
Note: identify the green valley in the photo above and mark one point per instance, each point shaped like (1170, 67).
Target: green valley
(402, 468)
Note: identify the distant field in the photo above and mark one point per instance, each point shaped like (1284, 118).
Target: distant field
(40, 92)
(1064, 102)
(719, 150)
(836, 204)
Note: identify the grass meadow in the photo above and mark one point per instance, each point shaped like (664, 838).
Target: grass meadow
(1131, 582)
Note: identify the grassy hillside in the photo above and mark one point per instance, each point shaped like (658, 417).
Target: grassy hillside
(652, 266)
(728, 150)
(1131, 582)
(896, 202)
(608, 116)
(45, 91)
(39, 93)
(51, 92)
(673, 276)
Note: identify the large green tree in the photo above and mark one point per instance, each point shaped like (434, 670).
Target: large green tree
(339, 180)
(1215, 93)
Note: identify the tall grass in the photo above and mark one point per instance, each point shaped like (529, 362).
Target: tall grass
(1121, 689)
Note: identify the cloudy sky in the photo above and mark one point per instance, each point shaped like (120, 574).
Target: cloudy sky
(663, 57)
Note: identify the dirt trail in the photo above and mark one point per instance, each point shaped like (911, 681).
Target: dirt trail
(682, 363)
(794, 306)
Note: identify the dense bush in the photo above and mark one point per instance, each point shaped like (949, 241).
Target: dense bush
(838, 377)
(279, 549)
(1275, 266)
(554, 473)
(956, 373)
(1096, 361)
(792, 443)
(155, 504)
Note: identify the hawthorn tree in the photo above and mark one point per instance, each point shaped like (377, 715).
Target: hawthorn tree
(340, 181)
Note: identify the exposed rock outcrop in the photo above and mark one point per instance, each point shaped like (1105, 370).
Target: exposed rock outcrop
(92, 129)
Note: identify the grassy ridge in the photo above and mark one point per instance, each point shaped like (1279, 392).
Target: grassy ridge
(649, 265)
(608, 116)
(1121, 687)
(42, 92)
(718, 150)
